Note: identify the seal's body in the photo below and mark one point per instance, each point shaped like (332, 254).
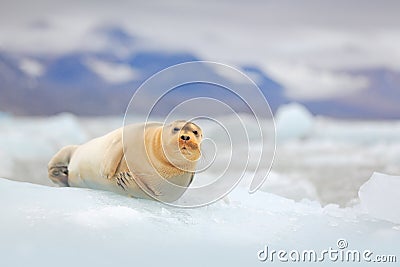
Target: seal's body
(140, 160)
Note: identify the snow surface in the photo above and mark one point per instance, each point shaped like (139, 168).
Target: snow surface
(32, 67)
(113, 72)
(327, 161)
(45, 226)
(309, 201)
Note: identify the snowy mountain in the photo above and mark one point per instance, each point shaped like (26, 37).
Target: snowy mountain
(102, 82)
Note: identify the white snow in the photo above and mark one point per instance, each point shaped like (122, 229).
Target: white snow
(293, 121)
(31, 67)
(327, 163)
(26, 145)
(309, 201)
(381, 198)
(113, 72)
(297, 189)
(45, 226)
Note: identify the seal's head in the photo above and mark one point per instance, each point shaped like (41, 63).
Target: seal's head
(181, 141)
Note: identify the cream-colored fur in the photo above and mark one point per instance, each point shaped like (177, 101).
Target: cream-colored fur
(147, 161)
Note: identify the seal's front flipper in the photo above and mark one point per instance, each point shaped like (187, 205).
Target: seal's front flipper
(58, 165)
(112, 158)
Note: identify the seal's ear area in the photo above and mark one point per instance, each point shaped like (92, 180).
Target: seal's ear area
(112, 158)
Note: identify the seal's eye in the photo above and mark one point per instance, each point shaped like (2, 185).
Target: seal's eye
(176, 129)
(195, 132)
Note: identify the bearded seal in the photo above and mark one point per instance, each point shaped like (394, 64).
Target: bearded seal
(146, 160)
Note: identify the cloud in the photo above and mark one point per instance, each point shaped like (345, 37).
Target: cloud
(305, 83)
(313, 41)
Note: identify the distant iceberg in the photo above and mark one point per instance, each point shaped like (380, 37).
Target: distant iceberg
(380, 196)
(293, 121)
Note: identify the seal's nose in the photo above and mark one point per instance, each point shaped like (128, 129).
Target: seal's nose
(185, 137)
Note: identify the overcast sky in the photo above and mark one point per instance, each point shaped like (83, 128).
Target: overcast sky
(302, 44)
